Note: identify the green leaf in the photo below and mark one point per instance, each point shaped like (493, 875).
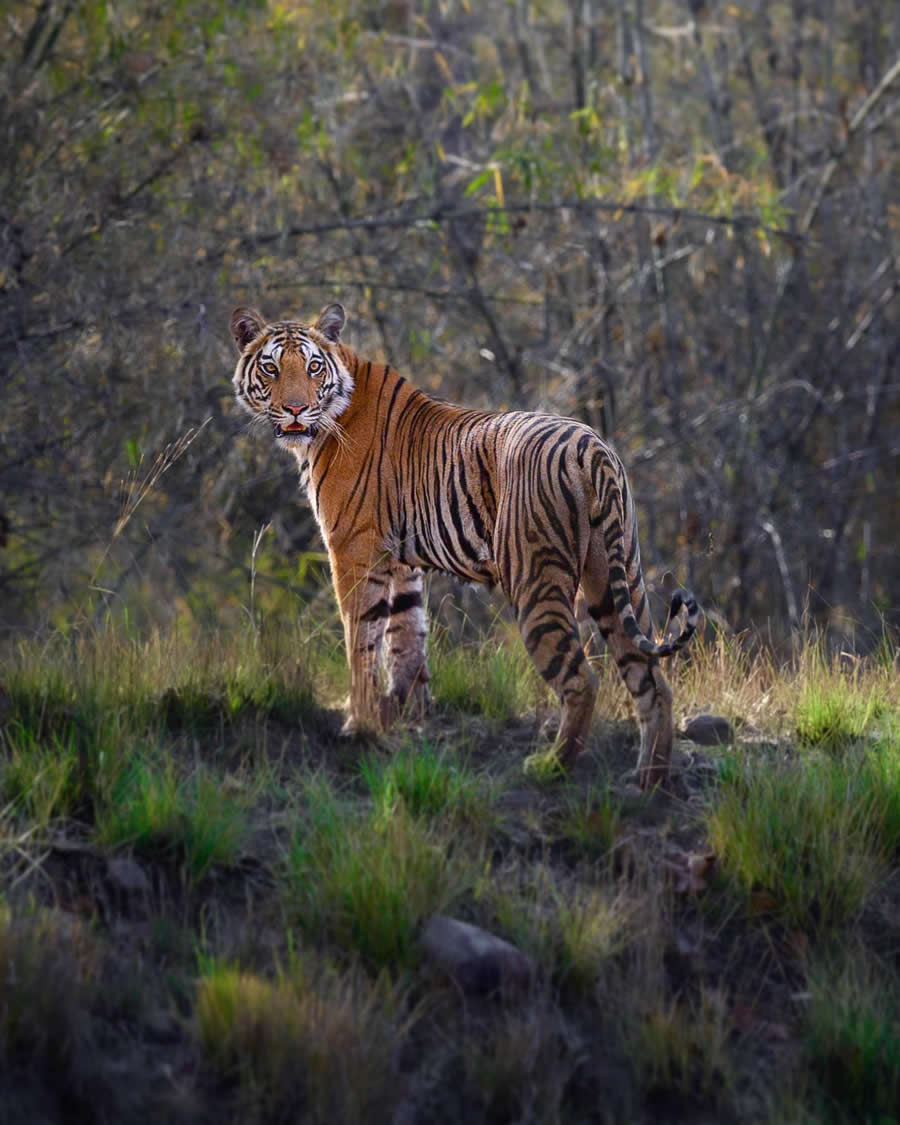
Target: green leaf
(480, 180)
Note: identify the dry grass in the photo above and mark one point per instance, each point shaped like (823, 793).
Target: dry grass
(731, 677)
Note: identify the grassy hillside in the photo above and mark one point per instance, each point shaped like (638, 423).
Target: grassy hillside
(212, 906)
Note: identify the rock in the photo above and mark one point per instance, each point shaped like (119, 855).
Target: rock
(709, 730)
(160, 1026)
(128, 876)
(479, 962)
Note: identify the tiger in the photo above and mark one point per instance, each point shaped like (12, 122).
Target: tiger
(401, 483)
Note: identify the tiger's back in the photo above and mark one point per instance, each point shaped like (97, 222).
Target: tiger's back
(533, 503)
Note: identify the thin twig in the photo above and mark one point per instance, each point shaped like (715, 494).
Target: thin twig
(856, 121)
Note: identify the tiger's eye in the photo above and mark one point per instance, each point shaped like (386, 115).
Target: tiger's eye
(314, 367)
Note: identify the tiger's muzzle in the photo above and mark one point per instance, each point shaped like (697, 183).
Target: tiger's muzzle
(295, 431)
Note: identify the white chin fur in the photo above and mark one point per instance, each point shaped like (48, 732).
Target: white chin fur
(301, 441)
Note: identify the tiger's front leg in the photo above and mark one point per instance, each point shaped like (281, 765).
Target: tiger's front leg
(406, 636)
(363, 594)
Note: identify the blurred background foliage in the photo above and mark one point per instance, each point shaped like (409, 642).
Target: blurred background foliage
(675, 219)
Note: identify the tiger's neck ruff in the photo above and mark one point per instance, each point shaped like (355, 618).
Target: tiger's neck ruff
(533, 503)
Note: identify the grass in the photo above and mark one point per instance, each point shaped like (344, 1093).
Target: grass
(309, 1041)
(816, 834)
(427, 782)
(367, 880)
(573, 929)
(48, 971)
(853, 1038)
(517, 1066)
(303, 868)
(152, 811)
(590, 819)
(734, 676)
(494, 677)
(42, 777)
(89, 680)
(834, 710)
(680, 1048)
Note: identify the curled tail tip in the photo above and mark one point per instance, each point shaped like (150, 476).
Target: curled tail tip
(681, 599)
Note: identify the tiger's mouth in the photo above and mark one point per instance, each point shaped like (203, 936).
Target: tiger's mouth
(295, 431)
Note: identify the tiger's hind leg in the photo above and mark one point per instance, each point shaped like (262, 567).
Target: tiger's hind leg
(546, 618)
(406, 634)
(643, 677)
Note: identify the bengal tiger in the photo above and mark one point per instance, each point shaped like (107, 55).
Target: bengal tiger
(533, 503)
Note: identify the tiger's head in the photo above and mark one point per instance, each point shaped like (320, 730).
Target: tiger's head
(292, 375)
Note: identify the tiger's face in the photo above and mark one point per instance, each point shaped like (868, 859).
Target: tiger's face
(291, 374)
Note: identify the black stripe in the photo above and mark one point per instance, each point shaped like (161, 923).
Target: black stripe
(377, 611)
(404, 602)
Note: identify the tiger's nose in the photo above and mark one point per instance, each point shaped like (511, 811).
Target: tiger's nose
(295, 408)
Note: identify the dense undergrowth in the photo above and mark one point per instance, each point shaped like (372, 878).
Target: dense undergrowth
(212, 905)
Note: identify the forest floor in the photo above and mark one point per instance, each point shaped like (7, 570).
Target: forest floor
(212, 906)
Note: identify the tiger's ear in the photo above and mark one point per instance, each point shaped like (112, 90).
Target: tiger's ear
(331, 321)
(246, 325)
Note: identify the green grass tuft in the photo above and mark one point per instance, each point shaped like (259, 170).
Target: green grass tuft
(42, 778)
(815, 834)
(572, 931)
(544, 767)
(367, 881)
(679, 1048)
(152, 811)
(590, 820)
(307, 1045)
(853, 1038)
(839, 701)
(494, 678)
(836, 713)
(427, 782)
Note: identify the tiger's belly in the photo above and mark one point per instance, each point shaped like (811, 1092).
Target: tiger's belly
(437, 546)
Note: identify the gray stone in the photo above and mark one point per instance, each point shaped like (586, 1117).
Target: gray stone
(709, 730)
(161, 1026)
(128, 876)
(479, 962)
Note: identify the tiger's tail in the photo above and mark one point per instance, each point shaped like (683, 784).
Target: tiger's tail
(613, 529)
